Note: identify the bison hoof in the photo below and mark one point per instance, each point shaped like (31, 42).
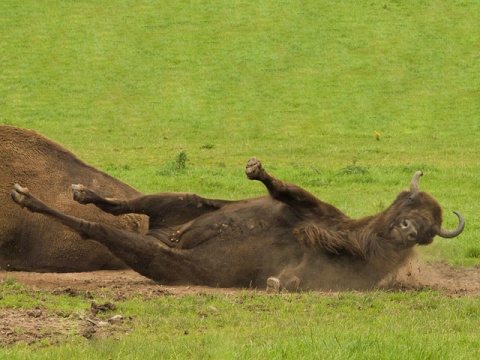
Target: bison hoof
(254, 169)
(273, 285)
(20, 194)
(79, 193)
(22, 197)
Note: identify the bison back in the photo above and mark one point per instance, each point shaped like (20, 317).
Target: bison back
(31, 242)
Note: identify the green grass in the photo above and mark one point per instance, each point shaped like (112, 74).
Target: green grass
(130, 86)
(247, 325)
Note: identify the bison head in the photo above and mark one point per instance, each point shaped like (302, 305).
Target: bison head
(417, 217)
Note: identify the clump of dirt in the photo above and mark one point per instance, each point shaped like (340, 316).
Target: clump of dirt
(101, 308)
(44, 327)
(101, 328)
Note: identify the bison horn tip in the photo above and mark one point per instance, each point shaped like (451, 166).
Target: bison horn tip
(448, 234)
(414, 183)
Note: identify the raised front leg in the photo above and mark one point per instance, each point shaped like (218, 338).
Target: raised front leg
(293, 195)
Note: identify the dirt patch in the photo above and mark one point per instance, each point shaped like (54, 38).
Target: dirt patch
(34, 326)
(126, 283)
(45, 327)
(119, 284)
(454, 282)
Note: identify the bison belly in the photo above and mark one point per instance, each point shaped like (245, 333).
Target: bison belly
(244, 243)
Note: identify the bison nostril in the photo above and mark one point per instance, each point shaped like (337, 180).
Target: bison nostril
(408, 230)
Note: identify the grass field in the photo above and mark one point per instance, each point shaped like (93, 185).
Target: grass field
(177, 95)
(375, 325)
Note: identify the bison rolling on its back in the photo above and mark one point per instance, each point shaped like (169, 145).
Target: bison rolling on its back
(289, 239)
(34, 243)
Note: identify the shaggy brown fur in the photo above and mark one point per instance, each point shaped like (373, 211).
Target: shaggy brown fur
(333, 242)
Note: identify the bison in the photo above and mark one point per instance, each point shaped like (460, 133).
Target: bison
(32, 243)
(287, 240)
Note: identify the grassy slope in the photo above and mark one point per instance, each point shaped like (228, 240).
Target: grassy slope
(303, 85)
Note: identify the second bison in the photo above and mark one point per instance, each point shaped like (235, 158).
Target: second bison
(33, 243)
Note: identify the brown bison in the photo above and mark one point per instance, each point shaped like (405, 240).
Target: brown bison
(289, 239)
(33, 243)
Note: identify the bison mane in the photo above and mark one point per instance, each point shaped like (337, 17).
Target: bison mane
(364, 244)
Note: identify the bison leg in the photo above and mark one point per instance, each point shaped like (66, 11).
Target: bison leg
(288, 193)
(287, 280)
(290, 277)
(86, 196)
(143, 253)
(164, 209)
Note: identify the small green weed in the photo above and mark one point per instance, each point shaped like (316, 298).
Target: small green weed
(177, 166)
(208, 146)
(354, 169)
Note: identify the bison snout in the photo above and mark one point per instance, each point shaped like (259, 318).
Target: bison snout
(408, 230)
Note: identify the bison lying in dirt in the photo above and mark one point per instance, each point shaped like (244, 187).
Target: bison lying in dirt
(33, 243)
(287, 240)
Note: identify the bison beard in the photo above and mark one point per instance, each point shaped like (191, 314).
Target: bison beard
(287, 240)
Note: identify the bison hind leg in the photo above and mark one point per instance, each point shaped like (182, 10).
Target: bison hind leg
(83, 195)
(19, 194)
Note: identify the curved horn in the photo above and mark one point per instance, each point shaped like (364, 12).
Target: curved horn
(448, 234)
(414, 183)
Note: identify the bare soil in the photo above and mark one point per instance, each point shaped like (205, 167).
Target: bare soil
(43, 327)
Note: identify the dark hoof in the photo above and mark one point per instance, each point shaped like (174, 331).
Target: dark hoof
(254, 169)
(79, 193)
